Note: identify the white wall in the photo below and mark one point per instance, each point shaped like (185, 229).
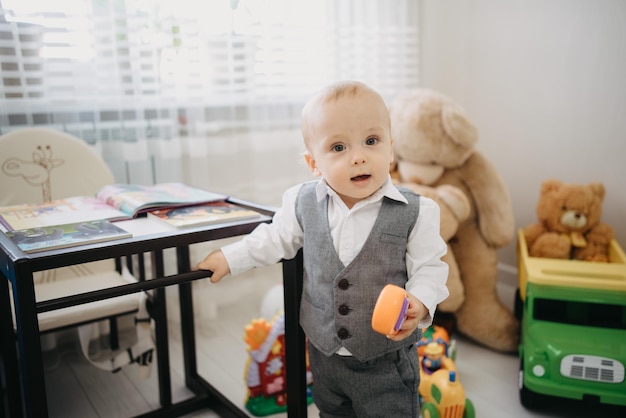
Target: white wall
(545, 83)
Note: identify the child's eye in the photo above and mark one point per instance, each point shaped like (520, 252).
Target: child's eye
(371, 141)
(338, 147)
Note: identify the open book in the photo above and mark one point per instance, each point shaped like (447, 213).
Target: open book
(113, 202)
(133, 199)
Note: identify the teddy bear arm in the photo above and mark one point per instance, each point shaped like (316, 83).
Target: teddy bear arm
(492, 200)
(453, 205)
(551, 245)
(532, 232)
(597, 247)
(601, 234)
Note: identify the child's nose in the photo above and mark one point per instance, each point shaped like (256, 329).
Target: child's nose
(357, 159)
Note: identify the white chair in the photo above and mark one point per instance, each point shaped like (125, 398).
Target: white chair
(38, 165)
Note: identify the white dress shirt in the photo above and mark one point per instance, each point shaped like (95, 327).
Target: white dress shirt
(349, 228)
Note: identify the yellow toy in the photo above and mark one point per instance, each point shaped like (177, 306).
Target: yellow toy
(441, 393)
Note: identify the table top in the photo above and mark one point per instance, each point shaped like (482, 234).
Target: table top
(148, 235)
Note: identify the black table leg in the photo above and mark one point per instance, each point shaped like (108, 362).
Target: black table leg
(294, 339)
(187, 322)
(203, 389)
(159, 314)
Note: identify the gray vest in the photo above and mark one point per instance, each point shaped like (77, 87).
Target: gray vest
(337, 300)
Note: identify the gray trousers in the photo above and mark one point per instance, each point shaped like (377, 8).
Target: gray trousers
(385, 387)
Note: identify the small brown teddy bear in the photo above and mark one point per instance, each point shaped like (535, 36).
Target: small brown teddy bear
(569, 223)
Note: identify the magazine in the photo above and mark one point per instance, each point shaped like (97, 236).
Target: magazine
(113, 203)
(69, 235)
(206, 214)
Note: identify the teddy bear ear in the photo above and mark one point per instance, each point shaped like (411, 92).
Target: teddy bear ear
(457, 126)
(550, 185)
(597, 189)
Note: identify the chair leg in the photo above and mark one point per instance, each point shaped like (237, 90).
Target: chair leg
(114, 341)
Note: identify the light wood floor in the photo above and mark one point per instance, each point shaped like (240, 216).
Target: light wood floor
(76, 389)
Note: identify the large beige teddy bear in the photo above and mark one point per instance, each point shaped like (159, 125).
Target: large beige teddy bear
(454, 209)
(434, 145)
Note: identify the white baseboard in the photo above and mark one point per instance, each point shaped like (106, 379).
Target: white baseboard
(507, 274)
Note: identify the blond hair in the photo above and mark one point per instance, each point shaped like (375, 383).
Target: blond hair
(332, 93)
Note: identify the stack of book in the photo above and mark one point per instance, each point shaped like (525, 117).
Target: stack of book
(82, 220)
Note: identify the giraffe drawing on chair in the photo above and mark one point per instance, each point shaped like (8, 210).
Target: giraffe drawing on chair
(35, 172)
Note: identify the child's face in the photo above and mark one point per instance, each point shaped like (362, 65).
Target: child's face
(350, 145)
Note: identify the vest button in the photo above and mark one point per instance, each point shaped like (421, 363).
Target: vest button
(343, 284)
(344, 310)
(343, 334)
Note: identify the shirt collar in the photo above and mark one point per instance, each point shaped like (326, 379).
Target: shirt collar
(387, 190)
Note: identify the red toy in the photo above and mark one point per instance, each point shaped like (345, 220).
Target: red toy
(265, 374)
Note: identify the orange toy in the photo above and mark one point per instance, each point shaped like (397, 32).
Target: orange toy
(390, 310)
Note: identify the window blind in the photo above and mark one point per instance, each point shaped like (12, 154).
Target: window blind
(126, 75)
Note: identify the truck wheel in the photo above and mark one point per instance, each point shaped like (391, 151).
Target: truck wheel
(469, 412)
(429, 410)
(528, 398)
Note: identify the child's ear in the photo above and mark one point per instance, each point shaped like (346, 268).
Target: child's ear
(310, 162)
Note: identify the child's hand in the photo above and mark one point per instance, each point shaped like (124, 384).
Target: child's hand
(215, 262)
(414, 315)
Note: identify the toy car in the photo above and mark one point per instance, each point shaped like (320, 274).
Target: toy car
(573, 333)
(440, 392)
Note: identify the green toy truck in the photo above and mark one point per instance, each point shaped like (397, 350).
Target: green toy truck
(573, 328)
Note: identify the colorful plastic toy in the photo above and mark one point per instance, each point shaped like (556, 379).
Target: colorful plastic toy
(443, 396)
(573, 333)
(390, 310)
(440, 392)
(265, 372)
